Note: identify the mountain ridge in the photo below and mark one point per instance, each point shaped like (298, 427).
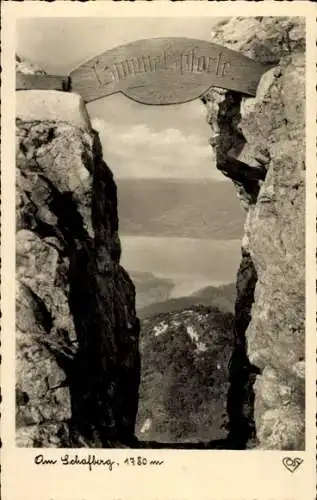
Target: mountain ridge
(222, 297)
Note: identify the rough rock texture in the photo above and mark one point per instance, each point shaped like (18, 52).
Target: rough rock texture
(77, 332)
(268, 130)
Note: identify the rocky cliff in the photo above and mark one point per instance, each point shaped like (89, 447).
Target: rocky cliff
(267, 131)
(77, 332)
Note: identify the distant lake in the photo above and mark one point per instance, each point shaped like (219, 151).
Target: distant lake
(186, 235)
(190, 263)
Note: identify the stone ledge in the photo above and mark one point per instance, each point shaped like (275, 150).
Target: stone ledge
(52, 105)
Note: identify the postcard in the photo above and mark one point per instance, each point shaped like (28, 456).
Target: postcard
(158, 250)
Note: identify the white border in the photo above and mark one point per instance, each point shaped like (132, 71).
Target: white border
(186, 474)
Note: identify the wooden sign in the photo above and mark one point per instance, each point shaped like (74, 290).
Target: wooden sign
(166, 71)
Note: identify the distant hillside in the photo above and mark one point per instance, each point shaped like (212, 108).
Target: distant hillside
(225, 295)
(150, 288)
(184, 384)
(222, 297)
(195, 209)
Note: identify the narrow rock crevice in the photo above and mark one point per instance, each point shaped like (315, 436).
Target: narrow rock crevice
(240, 405)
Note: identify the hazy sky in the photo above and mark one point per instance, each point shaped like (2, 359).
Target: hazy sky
(138, 140)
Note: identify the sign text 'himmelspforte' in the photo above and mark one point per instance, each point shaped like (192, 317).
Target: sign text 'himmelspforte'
(166, 71)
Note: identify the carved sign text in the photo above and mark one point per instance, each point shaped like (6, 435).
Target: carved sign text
(166, 71)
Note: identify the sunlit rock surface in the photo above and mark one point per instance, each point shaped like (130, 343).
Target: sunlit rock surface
(78, 365)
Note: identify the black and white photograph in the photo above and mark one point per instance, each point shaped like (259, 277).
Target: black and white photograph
(161, 237)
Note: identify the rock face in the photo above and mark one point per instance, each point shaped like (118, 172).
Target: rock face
(77, 332)
(268, 130)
